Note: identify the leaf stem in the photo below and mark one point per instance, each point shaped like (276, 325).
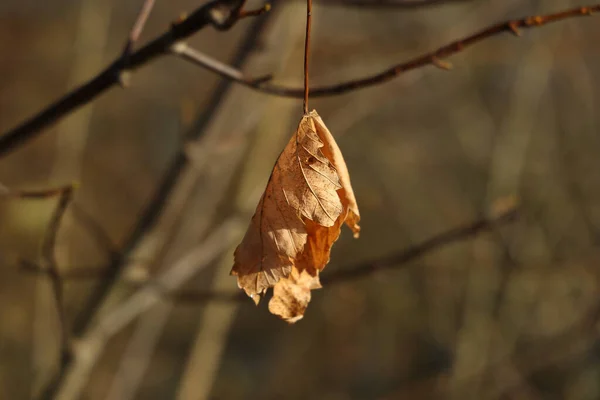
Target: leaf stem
(307, 52)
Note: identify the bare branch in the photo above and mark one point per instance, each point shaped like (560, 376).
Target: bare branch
(254, 13)
(221, 14)
(48, 254)
(402, 258)
(392, 261)
(92, 344)
(434, 58)
(400, 4)
(35, 194)
(171, 181)
(181, 49)
(138, 26)
(134, 36)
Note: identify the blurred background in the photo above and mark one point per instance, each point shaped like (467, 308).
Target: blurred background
(171, 169)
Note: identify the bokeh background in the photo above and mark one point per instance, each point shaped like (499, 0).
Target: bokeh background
(171, 168)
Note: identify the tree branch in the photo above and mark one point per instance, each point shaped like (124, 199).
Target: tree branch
(434, 58)
(138, 25)
(89, 347)
(364, 269)
(134, 35)
(147, 219)
(35, 194)
(48, 252)
(49, 258)
(505, 214)
(401, 4)
(221, 14)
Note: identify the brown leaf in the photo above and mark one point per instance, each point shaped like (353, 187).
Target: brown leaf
(334, 154)
(297, 220)
(292, 295)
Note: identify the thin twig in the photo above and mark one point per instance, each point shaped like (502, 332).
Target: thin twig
(149, 217)
(434, 58)
(48, 251)
(35, 194)
(138, 26)
(400, 4)
(307, 53)
(221, 14)
(392, 261)
(49, 255)
(82, 272)
(181, 49)
(92, 344)
(134, 36)
(94, 228)
(254, 13)
(366, 268)
(168, 183)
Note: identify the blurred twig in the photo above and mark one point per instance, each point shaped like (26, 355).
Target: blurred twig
(91, 226)
(363, 269)
(49, 257)
(34, 194)
(137, 28)
(222, 14)
(392, 261)
(49, 264)
(172, 178)
(523, 365)
(148, 218)
(401, 4)
(94, 228)
(398, 259)
(140, 22)
(89, 348)
(434, 58)
(217, 319)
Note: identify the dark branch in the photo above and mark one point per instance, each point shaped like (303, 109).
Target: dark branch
(221, 14)
(134, 36)
(139, 24)
(434, 58)
(149, 216)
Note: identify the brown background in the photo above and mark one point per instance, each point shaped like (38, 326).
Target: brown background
(507, 314)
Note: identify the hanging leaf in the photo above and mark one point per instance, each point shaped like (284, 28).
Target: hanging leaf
(291, 295)
(307, 199)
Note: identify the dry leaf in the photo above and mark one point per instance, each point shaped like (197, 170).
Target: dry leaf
(297, 220)
(292, 295)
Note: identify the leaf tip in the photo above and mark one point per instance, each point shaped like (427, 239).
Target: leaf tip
(255, 298)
